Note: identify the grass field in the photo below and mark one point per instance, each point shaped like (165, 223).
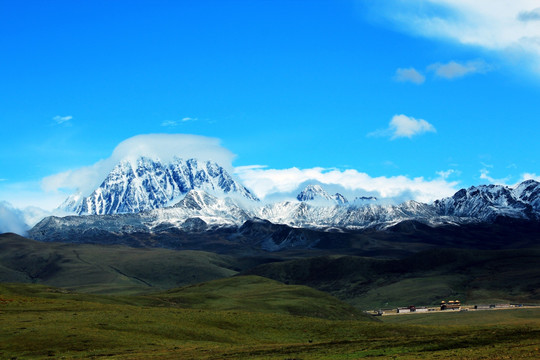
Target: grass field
(258, 294)
(43, 322)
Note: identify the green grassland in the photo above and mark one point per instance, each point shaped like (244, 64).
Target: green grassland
(258, 294)
(244, 293)
(43, 322)
(129, 303)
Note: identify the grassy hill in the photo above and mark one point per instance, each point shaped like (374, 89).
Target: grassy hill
(425, 278)
(241, 293)
(40, 322)
(110, 269)
(258, 294)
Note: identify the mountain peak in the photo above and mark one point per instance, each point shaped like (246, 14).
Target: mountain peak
(488, 202)
(145, 183)
(318, 194)
(196, 200)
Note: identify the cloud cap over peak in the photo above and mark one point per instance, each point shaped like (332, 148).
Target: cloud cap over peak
(164, 147)
(167, 146)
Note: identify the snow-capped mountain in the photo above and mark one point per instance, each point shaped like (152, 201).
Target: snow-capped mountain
(361, 200)
(316, 193)
(304, 214)
(486, 202)
(198, 211)
(147, 184)
(529, 192)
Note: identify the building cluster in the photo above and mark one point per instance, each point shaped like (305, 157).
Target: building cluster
(412, 308)
(451, 305)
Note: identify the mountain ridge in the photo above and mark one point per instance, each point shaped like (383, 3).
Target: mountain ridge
(145, 184)
(146, 196)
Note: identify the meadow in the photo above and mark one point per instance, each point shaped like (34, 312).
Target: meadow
(43, 322)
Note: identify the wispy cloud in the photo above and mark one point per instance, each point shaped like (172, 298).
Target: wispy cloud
(453, 69)
(446, 174)
(506, 27)
(62, 119)
(530, 176)
(532, 15)
(403, 126)
(169, 123)
(409, 75)
(449, 71)
(173, 123)
(484, 175)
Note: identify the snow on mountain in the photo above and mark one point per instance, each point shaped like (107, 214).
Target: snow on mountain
(199, 211)
(340, 199)
(198, 204)
(362, 200)
(528, 192)
(304, 214)
(145, 184)
(486, 202)
(315, 193)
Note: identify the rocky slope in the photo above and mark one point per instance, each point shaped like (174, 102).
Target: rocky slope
(146, 184)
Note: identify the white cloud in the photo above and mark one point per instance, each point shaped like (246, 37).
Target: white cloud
(161, 146)
(530, 176)
(532, 15)
(507, 27)
(454, 69)
(484, 175)
(11, 219)
(265, 182)
(169, 123)
(446, 174)
(409, 75)
(30, 194)
(172, 123)
(404, 126)
(62, 119)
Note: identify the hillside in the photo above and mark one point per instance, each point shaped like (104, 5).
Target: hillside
(421, 278)
(109, 269)
(258, 294)
(425, 278)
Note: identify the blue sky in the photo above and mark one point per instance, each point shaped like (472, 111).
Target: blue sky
(436, 93)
